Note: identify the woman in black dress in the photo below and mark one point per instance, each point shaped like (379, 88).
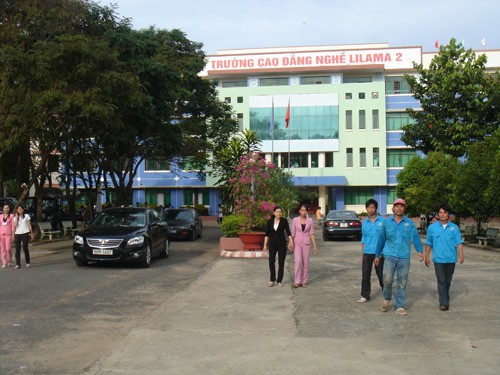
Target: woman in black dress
(275, 238)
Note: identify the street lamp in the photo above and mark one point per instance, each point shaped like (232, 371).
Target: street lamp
(176, 178)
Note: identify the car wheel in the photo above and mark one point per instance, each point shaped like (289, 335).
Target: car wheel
(81, 263)
(166, 249)
(146, 260)
(193, 235)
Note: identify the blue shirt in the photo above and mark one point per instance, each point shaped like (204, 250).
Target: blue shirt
(395, 239)
(370, 234)
(444, 242)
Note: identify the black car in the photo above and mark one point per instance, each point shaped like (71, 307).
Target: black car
(340, 224)
(123, 234)
(184, 223)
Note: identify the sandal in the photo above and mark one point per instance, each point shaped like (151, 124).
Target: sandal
(296, 285)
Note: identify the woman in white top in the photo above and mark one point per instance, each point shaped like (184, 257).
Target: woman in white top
(23, 232)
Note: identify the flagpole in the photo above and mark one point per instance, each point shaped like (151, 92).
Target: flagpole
(272, 133)
(289, 160)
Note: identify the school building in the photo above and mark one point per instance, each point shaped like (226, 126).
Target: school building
(347, 107)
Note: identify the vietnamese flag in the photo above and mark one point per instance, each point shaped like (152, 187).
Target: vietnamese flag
(287, 116)
(436, 44)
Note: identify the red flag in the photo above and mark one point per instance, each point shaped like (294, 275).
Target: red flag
(287, 116)
(436, 44)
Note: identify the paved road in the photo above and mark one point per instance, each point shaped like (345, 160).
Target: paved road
(225, 320)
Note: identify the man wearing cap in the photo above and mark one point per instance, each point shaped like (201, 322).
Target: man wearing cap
(444, 238)
(397, 234)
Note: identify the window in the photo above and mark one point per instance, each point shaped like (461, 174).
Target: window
(314, 160)
(273, 81)
(234, 84)
(375, 124)
(240, 121)
(361, 95)
(375, 95)
(362, 157)
(348, 95)
(227, 99)
(349, 160)
(240, 99)
(376, 157)
(399, 158)
(396, 85)
(357, 194)
(156, 165)
(187, 163)
(348, 120)
(396, 120)
(391, 194)
(298, 160)
(328, 159)
(362, 119)
(315, 80)
(357, 79)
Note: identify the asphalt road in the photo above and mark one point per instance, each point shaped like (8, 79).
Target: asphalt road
(198, 313)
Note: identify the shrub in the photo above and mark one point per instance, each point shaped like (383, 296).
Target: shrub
(201, 209)
(231, 225)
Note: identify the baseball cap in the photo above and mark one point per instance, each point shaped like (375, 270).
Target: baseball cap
(399, 201)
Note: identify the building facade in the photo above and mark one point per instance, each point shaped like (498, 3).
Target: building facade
(347, 105)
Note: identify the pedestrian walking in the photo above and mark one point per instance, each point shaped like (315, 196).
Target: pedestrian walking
(6, 236)
(22, 234)
(277, 233)
(303, 236)
(397, 234)
(444, 238)
(370, 229)
(319, 217)
(220, 214)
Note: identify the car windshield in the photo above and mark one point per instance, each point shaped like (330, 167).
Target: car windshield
(121, 219)
(179, 215)
(342, 215)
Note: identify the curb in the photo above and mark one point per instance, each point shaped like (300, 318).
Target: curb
(243, 254)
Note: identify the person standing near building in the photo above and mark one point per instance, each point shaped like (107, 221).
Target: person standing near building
(220, 214)
(319, 217)
(397, 234)
(370, 229)
(277, 232)
(444, 238)
(303, 236)
(22, 234)
(6, 233)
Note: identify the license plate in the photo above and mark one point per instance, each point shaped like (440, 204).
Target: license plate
(102, 252)
(343, 225)
(173, 231)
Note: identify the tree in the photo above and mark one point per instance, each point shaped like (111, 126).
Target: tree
(459, 102)
(426, 182)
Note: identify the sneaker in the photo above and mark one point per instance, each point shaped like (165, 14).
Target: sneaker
(281, 285)
(28, 265)
(384, 306)
(400, 311)
(17, 267)
(362, 300)
(271, 283)
(3, 265)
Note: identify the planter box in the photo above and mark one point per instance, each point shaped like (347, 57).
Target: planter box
(230, 243)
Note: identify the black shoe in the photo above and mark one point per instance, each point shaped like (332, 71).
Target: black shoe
(443, 307)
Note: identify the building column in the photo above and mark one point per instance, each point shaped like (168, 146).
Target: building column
(322, 199)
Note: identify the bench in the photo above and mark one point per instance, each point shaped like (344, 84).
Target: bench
(491, 235)
(68, 228)
(469, 232)
(46, 230)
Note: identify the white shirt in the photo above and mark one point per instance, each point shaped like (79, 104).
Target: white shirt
(22, 226)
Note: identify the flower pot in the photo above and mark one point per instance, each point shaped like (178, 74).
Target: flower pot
(252, 240)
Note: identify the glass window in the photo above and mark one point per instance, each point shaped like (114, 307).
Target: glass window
(328, 159)
(348, 95)
(361, 95)
(391, 194)
(399, 157)
(357, 79)
(376, 157)
(357, 194)
(314, 160)
(240, 121)
(234, 84)
(156, 165)
(375, 95)
(396, 120)
(362, 157)
(240, 99)
(298, 160)
(321, 80)
(375, 124)
(227, 99)
(273, 81)
(396, 85)
(348, 119)
(362, 119)
(349, 161)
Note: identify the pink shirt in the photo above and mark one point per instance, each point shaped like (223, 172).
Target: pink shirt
(6, 224)
(300, 237)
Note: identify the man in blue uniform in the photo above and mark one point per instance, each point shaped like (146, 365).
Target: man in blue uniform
(398, 233)
(444, 238)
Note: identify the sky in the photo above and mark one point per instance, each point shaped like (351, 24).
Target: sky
(224, 24)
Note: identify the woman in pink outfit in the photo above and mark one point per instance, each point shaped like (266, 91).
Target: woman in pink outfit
(303, 235)
(6, 236)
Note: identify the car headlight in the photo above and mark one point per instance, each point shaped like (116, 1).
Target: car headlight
(136, 240)
(78, 240)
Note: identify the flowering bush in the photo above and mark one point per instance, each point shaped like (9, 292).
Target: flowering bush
(253, 192)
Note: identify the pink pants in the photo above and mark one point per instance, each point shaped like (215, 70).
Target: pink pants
(6, 248)
(301, 253)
